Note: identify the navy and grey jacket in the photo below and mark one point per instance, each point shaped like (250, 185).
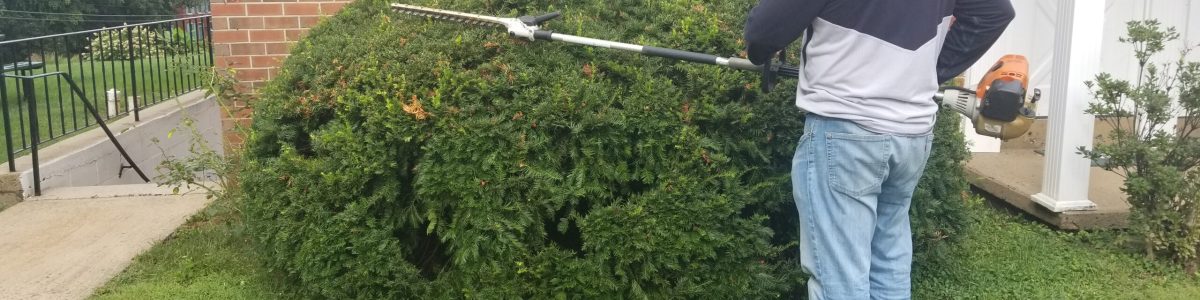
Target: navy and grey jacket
(877, 62)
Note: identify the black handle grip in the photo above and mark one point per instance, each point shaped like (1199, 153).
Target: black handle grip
(680, 55)
(788, 71)
(538, 20)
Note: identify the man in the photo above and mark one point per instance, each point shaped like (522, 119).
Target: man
(871, 68)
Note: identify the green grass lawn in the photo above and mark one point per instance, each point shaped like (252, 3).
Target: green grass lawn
(1007, 257)
(210, 257)
(1000, 257)
(60, 113)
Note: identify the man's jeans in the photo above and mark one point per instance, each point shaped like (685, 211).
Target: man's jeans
(853, 188)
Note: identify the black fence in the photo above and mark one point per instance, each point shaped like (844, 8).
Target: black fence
(117, 71)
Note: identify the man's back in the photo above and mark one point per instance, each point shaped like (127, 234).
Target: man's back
(873, 62)
(871, 70)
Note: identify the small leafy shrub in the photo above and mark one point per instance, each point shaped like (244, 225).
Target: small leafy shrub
(116, 44)
(178, 41)
(399, 157)
(205, 168)
(1158, 161)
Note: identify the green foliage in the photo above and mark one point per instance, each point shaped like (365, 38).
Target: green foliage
(125, 43)
(177, 40)
(139, 42)
(210, 170)
(1156, 159)
(938, 210)
(399, 157)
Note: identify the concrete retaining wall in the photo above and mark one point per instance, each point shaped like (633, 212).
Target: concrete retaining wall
(90, 159)
(10, 190)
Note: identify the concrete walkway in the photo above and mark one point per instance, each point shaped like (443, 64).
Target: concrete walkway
(1015, 175)
(67, 243)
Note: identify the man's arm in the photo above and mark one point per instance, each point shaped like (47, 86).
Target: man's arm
(978, 24)
(774, 24)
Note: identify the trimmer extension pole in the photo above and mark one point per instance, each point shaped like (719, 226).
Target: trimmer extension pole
(732, 62)
(1002, 113)
(528, 27)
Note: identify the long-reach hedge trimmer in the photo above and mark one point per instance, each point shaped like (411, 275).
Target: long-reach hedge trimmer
(997, 108)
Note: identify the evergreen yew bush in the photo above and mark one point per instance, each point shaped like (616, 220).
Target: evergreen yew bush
(397, 157)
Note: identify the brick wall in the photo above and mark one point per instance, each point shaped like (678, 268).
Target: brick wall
(254, 36)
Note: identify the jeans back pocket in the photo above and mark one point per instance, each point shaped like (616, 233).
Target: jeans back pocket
(858, 163)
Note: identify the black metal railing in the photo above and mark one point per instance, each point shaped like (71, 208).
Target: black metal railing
(118, 70)
(32, 104)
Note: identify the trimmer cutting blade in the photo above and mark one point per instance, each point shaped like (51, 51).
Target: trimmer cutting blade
(448, 15)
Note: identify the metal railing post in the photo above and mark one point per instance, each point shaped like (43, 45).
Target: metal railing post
(208, 36)
(12, 165)
(99, 121)
(8, 146)
(133, 77)
(7, 125)
(35, 136)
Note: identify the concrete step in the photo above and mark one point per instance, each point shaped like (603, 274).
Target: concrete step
(65, 249)
(1014, 176)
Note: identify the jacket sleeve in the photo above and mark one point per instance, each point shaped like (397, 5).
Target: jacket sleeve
(773, 24)
(978, 24)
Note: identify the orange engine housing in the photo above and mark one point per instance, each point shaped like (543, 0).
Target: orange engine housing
(1011, 67)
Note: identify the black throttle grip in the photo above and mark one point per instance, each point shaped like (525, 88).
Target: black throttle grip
(770, 71)
(538, 20)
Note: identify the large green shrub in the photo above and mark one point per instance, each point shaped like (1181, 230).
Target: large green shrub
(397, 157)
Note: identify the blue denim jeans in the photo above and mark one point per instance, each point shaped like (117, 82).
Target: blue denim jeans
(853, 188)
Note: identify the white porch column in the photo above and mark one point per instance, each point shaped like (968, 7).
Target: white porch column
(1079, 30)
